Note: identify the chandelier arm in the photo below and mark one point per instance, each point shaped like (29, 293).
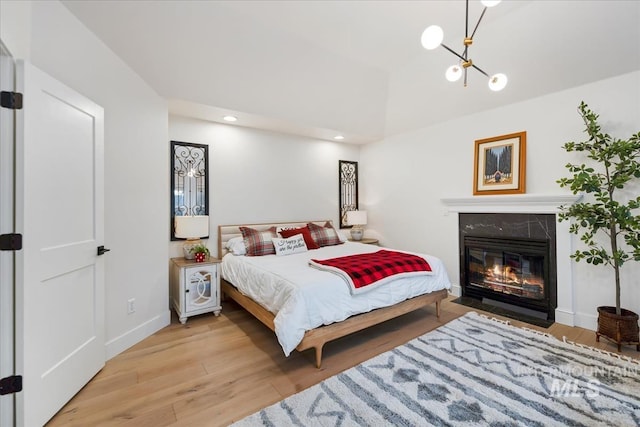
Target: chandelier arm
(466, 21)
(453, 51)
(474, 66)
(463, 58)
(478, 23)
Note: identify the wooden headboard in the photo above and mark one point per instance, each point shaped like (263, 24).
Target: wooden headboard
(227, 232)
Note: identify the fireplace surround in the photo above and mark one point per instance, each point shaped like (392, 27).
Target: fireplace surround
(509, 258)
(526, 204)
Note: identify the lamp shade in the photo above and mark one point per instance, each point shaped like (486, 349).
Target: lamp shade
(453, 73)
(432, 37)
(192, 227)
(497, 82)
(356, 217)
(490, 3)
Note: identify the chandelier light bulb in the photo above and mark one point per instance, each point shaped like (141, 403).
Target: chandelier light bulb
(490, 3)
(497, 82)
(453, 73)
(432, 37)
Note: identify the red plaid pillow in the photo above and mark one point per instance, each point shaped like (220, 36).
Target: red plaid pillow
(324, 236)
(306, 233)
(258, 243)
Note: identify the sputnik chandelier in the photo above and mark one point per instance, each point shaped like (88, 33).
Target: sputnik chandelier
(432, 38)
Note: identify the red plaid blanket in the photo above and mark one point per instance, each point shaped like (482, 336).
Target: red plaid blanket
(364, 271)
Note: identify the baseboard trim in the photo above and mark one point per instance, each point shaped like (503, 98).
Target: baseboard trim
(137, 334)
(455, 290)
(565, 317)
(581, 320)
(587, 321)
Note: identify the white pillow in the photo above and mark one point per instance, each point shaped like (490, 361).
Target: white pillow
(292, 245)
(236, 246)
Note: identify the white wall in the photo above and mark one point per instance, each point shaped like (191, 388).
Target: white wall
(136, 160)
(15, 27)
(403, 178)
(260, 176)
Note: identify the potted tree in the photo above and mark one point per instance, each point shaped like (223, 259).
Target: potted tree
(201, 252)
(609, 211)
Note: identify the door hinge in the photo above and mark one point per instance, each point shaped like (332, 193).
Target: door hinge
(11, 100)
(12, 384)
(10, 242)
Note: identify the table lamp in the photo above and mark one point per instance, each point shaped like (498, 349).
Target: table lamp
(357, 219)
(191, 228)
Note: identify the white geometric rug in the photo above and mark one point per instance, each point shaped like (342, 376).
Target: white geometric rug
(471, 371)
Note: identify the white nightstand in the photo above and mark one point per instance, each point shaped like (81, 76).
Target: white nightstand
(195, 287)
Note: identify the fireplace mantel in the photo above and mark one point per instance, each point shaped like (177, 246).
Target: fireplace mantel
(518, 203)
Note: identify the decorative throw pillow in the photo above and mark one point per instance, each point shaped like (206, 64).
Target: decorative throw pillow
(306, 234)
(324, 236)
(292, 245)
(236, 246)
(258, 243)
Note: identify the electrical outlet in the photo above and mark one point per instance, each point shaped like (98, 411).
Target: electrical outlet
(131, 306)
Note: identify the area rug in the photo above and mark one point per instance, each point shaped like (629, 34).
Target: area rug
(472, 371)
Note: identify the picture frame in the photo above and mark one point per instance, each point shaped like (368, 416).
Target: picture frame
(499, 165)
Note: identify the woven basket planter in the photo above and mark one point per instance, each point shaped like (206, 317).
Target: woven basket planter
(621, 329)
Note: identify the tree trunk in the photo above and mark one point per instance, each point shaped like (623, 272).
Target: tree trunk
(616, 263)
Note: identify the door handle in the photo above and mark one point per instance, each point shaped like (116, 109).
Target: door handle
(102, 250)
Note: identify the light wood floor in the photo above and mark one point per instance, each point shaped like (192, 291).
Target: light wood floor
(216, 370)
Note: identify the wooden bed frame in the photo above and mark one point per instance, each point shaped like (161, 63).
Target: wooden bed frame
(316, 338)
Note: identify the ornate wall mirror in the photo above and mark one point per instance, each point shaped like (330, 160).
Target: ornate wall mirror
(348, 189)
(189, 181)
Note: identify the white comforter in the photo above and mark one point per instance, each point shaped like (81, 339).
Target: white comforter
(303, 298)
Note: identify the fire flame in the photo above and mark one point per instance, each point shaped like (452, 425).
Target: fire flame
(506, 273)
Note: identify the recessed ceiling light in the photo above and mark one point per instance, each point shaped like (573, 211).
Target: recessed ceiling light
(230, 118)
(338, 137)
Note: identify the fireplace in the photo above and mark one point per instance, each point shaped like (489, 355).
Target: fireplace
(509, 261)
(513, 271)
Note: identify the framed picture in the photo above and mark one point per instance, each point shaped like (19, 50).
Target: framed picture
(499, 164)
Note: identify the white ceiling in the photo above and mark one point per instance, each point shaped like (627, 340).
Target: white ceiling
(357, 68)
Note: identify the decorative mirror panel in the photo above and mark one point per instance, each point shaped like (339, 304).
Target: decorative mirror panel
(189, 181)
(348, 189)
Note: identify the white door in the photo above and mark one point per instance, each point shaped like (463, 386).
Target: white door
(7, 367)
(59, 277)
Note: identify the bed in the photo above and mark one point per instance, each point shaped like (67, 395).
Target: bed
(307, 307)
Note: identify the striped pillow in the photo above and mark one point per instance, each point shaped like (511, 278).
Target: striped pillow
(259, 243)
(324, 236)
